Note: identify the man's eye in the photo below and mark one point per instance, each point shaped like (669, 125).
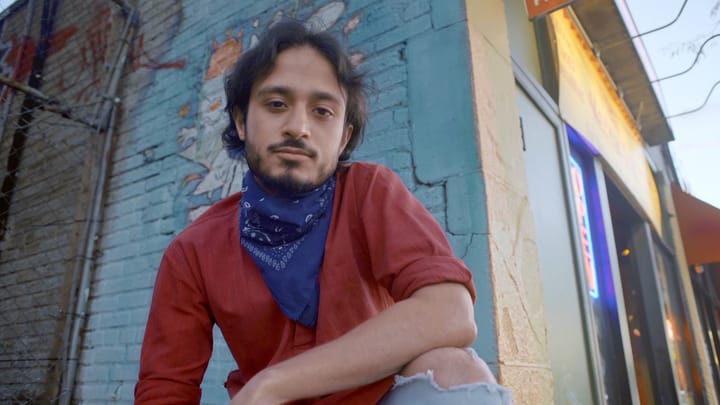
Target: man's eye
(323, 112)
(275, 104)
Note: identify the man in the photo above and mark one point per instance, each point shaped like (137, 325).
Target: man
(325, 279)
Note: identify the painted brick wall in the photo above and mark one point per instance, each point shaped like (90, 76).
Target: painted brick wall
(137, 226)
(48, 208)
(168, 163)
(23, 351)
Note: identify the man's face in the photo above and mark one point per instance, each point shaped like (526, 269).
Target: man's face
(295, 128)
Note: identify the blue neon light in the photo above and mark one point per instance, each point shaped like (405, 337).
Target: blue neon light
(583, 218)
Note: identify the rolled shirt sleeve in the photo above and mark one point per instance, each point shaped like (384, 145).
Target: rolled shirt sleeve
(408, 249)
(178, 336)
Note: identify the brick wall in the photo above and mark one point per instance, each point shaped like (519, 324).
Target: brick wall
(168, 164)
(48, 209)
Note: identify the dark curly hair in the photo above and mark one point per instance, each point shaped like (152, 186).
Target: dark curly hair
(255, 64)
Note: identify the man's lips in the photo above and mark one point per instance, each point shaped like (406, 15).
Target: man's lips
(286, 150)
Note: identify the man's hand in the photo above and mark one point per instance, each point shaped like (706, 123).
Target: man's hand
(439, 315)
(258, 391)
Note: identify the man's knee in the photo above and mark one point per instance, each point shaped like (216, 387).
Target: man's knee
(450, 366)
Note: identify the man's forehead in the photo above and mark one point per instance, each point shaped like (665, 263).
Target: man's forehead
(302, 69)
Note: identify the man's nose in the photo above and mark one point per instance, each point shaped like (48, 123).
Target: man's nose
(297, 124)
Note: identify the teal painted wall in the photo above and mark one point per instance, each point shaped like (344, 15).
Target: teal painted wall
(168, 165)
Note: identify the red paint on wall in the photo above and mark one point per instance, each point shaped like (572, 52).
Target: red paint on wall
(17, 61)
(58, 39)
(139, 58)
(93, 52)
(24, 49)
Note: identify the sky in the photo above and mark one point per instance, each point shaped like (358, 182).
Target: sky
(696, 148)
(5, 3)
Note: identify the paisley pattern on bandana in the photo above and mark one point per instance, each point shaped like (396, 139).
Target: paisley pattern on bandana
(285, 237)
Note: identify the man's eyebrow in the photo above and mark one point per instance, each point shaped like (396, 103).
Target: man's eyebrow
(285, 91)
(325, 96)
(282, 90)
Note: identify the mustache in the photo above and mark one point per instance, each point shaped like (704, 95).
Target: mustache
(293, 143)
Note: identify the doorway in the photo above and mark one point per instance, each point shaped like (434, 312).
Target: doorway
(643, 304)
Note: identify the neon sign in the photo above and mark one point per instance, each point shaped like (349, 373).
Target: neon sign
(583, 220)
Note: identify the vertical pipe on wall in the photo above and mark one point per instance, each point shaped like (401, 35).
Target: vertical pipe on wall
(82, 273)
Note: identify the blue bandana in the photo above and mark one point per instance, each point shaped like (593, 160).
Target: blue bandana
(285, 237)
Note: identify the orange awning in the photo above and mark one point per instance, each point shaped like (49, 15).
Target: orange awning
(699, 227)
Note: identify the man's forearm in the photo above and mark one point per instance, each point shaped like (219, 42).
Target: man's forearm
(435, 316)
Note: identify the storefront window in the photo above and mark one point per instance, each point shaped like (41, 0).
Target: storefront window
(596, 264)
(677, 330)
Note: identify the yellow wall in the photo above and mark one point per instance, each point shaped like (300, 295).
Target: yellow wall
(589, 104)
(522, 356)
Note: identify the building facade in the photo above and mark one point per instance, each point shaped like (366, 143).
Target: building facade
(599, 180)
(511, 132)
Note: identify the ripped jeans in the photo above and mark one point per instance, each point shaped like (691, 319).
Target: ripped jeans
(421, 389)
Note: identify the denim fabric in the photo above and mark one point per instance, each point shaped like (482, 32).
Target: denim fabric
(421, 389)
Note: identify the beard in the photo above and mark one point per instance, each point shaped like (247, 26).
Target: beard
(287, 182)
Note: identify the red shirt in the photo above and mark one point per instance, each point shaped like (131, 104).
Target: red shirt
(382, 246)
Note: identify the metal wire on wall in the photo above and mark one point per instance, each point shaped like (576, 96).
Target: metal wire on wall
(60, 74)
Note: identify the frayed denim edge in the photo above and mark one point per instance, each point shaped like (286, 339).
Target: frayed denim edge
(491, 388)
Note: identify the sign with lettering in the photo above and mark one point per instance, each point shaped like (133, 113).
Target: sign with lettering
(582, 215)
(538, 8)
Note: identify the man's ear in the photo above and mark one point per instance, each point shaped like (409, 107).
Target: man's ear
(239, 121)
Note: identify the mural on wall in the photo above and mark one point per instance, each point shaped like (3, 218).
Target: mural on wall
(96, 48)
(140, 58)
(201, 143)
(92, 56)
